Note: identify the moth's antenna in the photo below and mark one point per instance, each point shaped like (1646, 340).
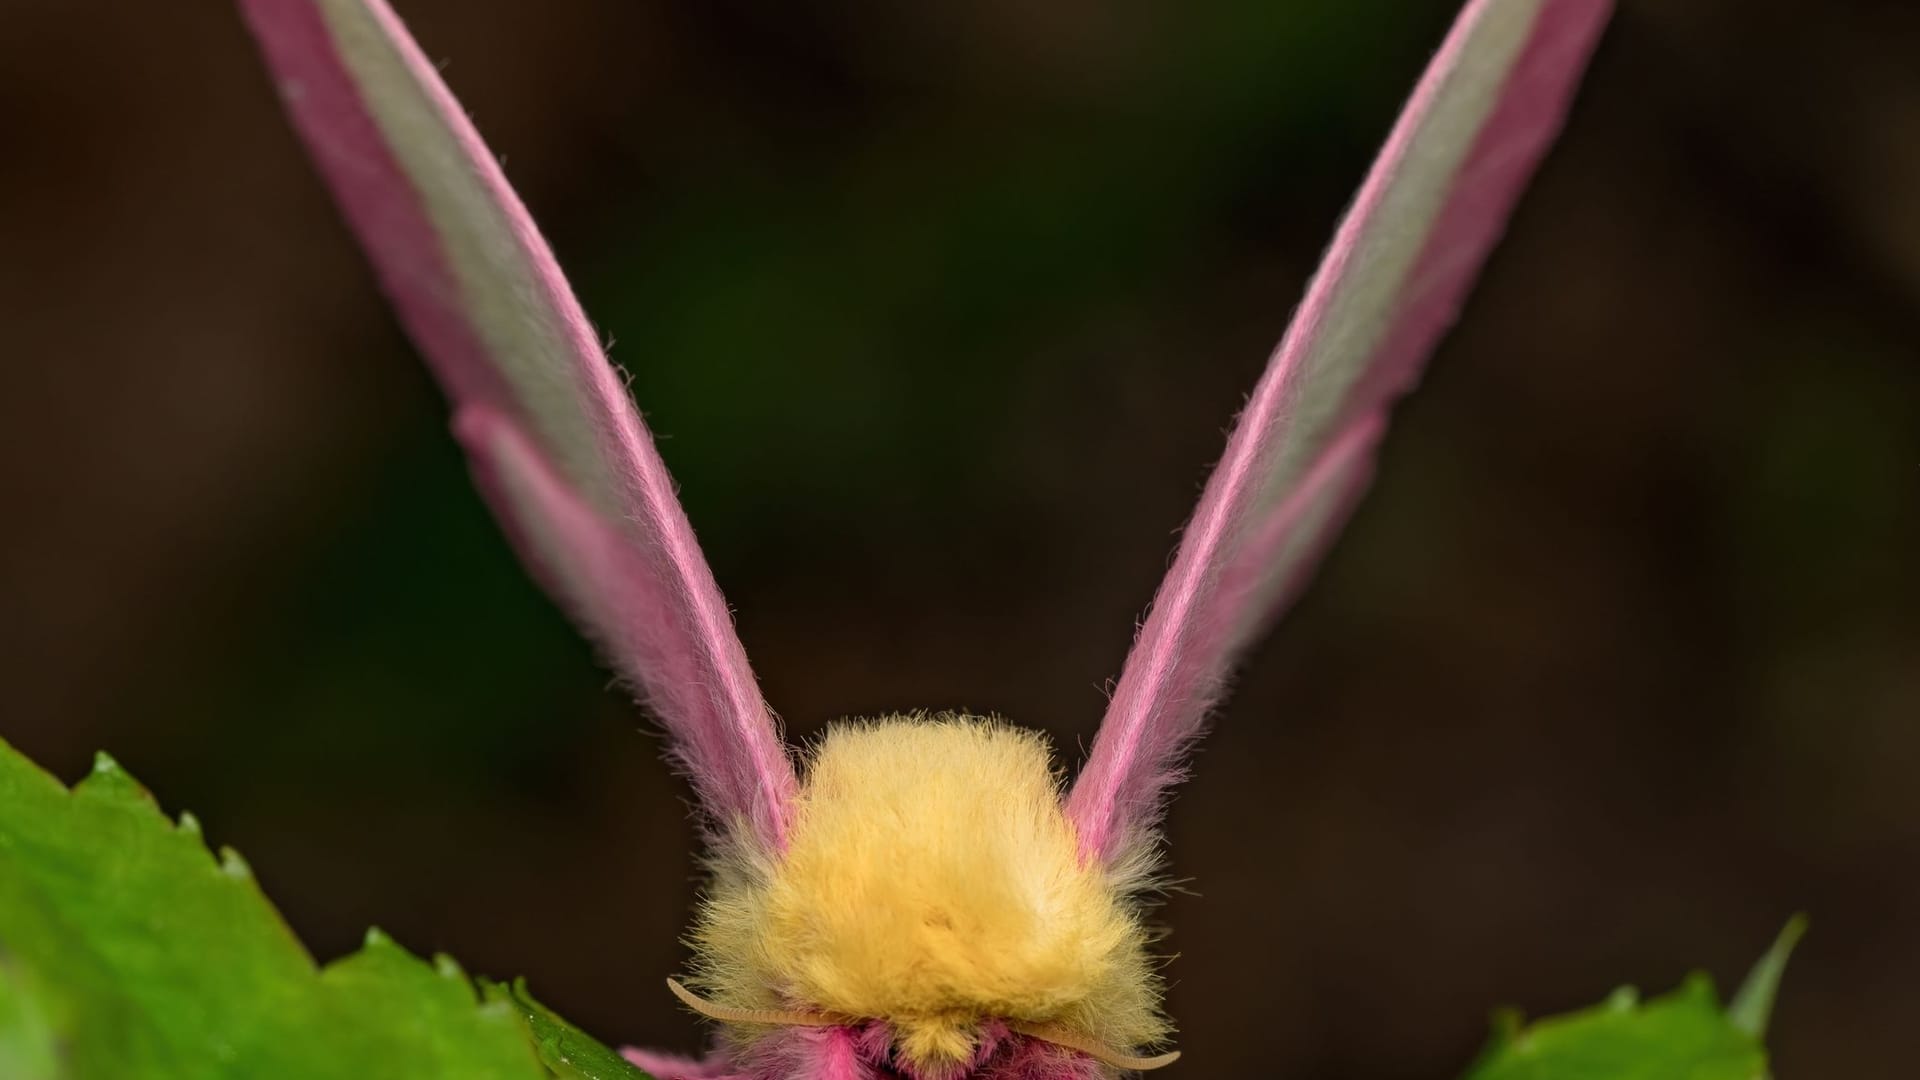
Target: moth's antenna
(727, 1014)
(555, 442)
(1095, 1050)
(1302, 451)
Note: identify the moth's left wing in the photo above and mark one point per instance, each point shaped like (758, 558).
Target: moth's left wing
(555, 442)
(1395, 276)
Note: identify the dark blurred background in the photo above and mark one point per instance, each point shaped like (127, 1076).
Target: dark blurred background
(940, 310)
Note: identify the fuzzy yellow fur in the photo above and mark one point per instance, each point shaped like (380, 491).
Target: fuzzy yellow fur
(931, 880)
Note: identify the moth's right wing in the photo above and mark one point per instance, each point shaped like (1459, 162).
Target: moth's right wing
(1300, 455)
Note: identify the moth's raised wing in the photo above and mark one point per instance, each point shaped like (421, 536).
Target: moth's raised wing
(1393, 280)
(555, 441)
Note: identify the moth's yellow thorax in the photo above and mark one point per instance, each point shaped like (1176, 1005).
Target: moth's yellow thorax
(931, 880)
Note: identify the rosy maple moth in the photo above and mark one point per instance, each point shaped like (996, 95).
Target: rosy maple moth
(920, 898)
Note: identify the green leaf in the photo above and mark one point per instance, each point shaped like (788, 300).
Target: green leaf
(1683, 1035)
(27, 1047)
(128, 950)
(1754, 1003)
(563, 1048)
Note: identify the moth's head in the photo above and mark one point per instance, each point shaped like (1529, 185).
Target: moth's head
(933, 913)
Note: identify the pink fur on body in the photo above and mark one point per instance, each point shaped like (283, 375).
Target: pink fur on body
(865, 1053)
(1244, 552)
(675, 640)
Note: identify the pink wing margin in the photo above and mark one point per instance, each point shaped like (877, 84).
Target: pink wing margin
(555, 442)
(1300, 455)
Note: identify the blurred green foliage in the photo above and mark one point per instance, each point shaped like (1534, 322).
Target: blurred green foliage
(876, 305)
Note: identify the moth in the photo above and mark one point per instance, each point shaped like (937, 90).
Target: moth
(920, 899)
